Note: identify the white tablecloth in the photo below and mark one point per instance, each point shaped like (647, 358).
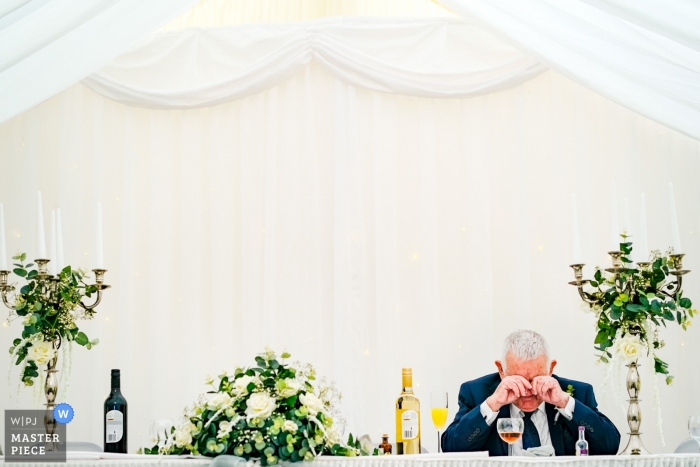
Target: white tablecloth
(425, 460)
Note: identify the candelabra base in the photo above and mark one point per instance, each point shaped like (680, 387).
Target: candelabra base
(634, 446)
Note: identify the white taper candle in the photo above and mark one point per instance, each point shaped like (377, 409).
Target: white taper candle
(60, 264)
(675, 234)
(52, 244)
(614, 219)
(3, 246)
(627, 227)
(642, 246)
(40, 239)
(574, 227)
(99, 252)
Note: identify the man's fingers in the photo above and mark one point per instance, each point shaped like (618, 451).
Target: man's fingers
(513, 387)
(521, 387)
(524, 382)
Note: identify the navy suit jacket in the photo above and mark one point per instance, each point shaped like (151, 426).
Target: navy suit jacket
(470, 432)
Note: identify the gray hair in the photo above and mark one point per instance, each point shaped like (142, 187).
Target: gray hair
(525, 345)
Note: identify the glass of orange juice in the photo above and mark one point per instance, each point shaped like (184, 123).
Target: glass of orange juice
(438, 411)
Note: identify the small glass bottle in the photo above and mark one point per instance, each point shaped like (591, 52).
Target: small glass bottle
(385, 446)
(581, 444)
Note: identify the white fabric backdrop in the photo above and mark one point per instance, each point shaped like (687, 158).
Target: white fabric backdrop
(413, 56)
(360, 230)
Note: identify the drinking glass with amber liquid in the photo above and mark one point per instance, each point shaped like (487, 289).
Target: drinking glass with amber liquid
(438, 411)
(510, 429)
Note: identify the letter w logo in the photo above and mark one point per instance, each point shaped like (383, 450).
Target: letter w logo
(63, 413)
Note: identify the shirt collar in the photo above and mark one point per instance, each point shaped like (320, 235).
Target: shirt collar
(516, 412)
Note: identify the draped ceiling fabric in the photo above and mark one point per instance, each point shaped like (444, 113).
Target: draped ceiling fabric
(646, 70)
(49, 45)
(360, 229)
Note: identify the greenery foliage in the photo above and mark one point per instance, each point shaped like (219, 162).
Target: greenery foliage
(50, 310)
(634, 303)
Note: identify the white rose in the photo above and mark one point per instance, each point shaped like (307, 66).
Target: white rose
(240, 385)
(292, 387)
(332, 436)
(260, 405)
(183, 436)
(312, 403)
(219, 401)
(224, 429)
(41, 352)
(629, 348)
(290, 426)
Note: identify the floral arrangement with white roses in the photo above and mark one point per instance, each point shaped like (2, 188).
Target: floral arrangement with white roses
(628, 323)
(268, 413)
(48, 318)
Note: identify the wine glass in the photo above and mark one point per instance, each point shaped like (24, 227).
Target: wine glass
(510, 429)
(694, 427)
(438, 411)
(160, 431)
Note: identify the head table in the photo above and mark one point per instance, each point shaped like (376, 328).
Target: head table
(422, 460)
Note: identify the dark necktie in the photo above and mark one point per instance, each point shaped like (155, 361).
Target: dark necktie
(531, 437)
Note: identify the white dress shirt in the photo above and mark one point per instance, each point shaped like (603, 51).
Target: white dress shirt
(539, 418)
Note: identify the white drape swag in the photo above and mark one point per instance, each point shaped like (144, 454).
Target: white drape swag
(432, 57)
(641, 69)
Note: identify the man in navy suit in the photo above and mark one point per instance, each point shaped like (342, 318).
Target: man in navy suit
(525, 387)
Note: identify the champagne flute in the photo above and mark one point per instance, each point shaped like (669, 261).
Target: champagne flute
(510, 429)
(694, 427)
(438, 411)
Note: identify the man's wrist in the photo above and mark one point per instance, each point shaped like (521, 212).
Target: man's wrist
(494, 406)
(564, 402)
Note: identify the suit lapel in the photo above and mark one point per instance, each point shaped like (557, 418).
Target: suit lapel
(555, 432)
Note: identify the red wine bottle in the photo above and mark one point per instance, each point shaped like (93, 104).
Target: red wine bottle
(115, 417)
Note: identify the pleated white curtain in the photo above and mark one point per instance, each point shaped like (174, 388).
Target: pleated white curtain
(361, 231)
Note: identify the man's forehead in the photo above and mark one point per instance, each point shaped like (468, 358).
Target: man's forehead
(528, 369)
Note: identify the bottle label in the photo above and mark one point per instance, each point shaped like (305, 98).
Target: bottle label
(409, 425)
(115, 426)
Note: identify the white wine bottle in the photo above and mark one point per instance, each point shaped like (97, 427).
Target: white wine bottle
(407, 417)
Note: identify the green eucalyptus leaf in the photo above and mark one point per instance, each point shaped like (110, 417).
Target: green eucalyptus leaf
(21, 272)
(81, 339)
(616, 313)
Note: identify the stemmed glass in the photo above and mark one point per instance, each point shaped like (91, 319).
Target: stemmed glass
(510, 429)
(694, 427)
(438, 411)
(160, 431)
